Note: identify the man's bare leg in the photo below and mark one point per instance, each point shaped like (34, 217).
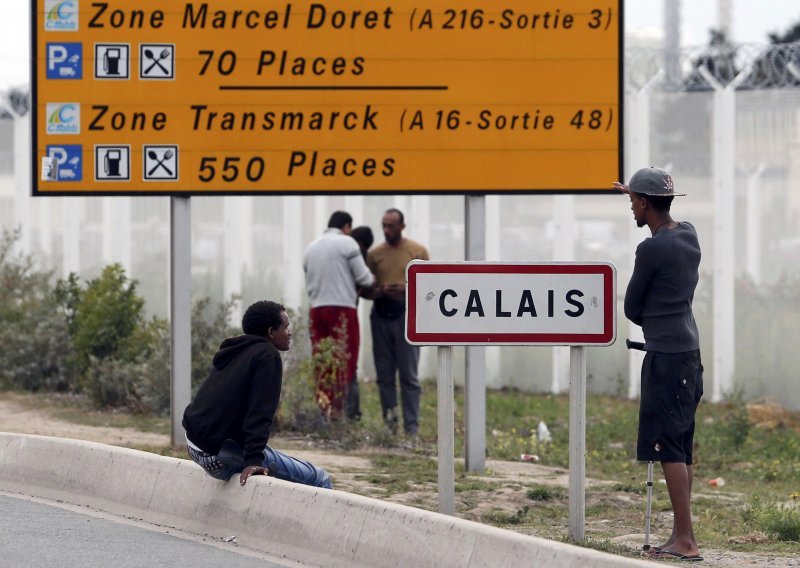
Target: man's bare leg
(679, 478)
(690, 473)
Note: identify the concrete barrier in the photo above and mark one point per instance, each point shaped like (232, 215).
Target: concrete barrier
(315, 526)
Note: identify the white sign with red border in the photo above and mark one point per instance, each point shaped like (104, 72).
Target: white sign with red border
(511, 303)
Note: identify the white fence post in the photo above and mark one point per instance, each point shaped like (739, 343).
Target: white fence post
(754, 224)
(638, 157)
(292, 251)
(724, 165)
(233, 218)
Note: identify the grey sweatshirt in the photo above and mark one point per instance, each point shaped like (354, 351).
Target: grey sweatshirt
(659, 295)
(334, 266)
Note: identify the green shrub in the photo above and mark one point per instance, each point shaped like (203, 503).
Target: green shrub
(781, 522)
(152, 387)
(301, 400)
(328, 362)
(111, 342)
(35, 354)
(107, 314)
(736, 426)
(497, 517)
(211, 325)
(111, 382)
(298, 410)
(33, 332)
(543, 493)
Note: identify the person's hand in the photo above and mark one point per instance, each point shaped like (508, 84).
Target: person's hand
(252, 470)
(369, 292)
(395, 291)
(621, 187)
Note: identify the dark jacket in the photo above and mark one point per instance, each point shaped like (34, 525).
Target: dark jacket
(239, 398)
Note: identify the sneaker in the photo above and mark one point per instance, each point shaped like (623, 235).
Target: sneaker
(390, 419)
(411, 442)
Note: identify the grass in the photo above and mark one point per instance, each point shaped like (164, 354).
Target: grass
(78, 410)
(751, 458)
(753, 512)
(544, 493)
(401, 474)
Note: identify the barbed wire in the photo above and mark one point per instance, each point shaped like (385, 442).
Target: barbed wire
(753, 66)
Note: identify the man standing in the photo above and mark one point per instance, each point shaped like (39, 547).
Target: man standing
(390, 349)
(334, 266)
(659, 298)
(228, 422)
(352, 406)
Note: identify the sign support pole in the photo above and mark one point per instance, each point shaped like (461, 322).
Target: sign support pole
(446, 430)
(441, 296)
(181, 313)
(475, 363)
(577, 443)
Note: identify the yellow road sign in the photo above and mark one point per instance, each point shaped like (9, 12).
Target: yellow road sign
(352, 96)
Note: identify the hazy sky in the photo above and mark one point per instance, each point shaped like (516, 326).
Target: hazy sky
(752, 21)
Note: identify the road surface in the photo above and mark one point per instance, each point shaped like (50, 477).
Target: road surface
(35, 534)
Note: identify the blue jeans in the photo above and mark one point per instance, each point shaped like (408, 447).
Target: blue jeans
(280, 465)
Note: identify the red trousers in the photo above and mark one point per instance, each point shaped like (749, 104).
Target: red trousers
(334, 364)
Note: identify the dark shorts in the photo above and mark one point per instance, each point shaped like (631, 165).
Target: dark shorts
(672, 384)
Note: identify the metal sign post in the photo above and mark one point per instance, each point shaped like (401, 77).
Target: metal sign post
(445, 408)
(475, 356)
(180, 262)
(577, 443)
(499, 303)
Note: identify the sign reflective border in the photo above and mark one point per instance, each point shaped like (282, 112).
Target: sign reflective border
(351, 96)
(499, 303)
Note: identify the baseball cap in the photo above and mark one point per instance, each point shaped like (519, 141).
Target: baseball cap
(653, 181)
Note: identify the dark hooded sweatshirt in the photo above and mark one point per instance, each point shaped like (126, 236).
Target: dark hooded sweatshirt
(239, 398)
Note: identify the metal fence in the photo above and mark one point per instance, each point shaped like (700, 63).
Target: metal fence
(725, 120)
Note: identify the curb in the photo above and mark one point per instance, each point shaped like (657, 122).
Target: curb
(315, 526)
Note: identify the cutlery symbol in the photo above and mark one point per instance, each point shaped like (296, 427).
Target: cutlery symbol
(160, 161)
(156, 61)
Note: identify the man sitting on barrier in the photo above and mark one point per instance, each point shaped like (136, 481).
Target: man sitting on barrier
(228, 422)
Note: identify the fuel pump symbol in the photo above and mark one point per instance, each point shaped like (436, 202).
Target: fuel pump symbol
(111, 59)
(111, 163)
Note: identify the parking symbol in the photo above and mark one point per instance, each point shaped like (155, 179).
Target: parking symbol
(112, 60)
(160, 163)
(157, 61)
(69, 158)
(112, 163)
(64, 61)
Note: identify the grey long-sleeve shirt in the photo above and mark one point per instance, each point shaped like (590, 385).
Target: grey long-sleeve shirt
(334, 265)
(660, 293)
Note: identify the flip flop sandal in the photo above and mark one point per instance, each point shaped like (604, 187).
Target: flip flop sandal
(674, 556)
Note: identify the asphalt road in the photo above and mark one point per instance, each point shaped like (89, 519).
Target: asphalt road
(33, 534)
